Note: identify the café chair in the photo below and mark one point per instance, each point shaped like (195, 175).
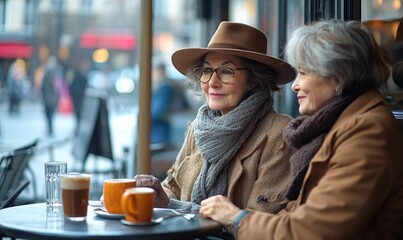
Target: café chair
(13, 167)
(10, 200)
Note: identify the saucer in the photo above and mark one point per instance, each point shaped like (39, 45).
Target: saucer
(104, 214)
(125, 222)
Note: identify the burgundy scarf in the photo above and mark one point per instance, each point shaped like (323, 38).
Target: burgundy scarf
(306, 134)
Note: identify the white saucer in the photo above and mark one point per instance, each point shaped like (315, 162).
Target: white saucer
(104, 214)
(125, 222)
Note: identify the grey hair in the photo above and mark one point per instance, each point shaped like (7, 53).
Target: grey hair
(259, 75)
(343, 51)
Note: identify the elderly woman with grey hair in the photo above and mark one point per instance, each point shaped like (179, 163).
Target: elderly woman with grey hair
(234, 147)
(347, 168)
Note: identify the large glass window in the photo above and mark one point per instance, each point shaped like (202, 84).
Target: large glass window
(97, 42)
(278, 19)
(382, 17)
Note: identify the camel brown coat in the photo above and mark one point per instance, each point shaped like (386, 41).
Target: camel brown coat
(258, 176)
(354, 185)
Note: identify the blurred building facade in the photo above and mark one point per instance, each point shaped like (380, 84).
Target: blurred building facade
(107, 31)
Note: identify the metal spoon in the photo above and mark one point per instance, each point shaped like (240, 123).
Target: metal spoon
(187, 216)
(160, 219)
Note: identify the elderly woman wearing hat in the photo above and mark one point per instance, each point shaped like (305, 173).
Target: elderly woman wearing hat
(234, 147)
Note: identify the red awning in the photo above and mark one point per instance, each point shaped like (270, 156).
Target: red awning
(119, 41)
(15, 50)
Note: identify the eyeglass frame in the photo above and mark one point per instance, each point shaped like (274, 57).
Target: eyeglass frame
(215, 70)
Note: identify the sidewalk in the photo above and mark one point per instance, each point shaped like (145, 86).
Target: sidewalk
(29, 125)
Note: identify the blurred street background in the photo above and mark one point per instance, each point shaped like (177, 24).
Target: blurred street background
(29, 124)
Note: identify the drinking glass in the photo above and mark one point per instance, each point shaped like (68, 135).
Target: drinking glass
(53, 172)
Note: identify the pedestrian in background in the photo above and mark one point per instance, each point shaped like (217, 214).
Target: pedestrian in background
(15, 84)
(161, 102)
(77, 78)
(52, 85)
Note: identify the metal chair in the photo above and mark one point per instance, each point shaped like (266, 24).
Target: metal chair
(12, 168)
(10, 200)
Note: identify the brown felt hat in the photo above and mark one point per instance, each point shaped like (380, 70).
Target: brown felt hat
(235, 39)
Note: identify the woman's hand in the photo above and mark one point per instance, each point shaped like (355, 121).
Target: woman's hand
(161, 198)
(220, 209)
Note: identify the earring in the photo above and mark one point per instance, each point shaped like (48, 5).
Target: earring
(337, 92)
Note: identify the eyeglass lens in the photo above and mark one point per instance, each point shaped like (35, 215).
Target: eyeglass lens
(225, 75)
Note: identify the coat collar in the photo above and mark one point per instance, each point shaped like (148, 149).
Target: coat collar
(361, 105)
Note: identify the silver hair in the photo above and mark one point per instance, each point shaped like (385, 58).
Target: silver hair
(343, 51)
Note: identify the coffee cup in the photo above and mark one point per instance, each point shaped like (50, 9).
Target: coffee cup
(138, 204)
(113, 190)
(75, 193)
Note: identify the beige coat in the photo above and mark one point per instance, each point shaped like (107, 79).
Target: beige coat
(260, 169)
(354, 185)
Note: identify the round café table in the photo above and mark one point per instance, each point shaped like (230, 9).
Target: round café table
(37, 221)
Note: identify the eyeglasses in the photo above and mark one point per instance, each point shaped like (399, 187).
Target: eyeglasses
(225, 75)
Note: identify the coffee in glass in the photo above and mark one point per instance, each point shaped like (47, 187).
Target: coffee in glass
(75, 193)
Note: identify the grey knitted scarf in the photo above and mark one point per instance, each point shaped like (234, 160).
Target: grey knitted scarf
(219, 138)
(306, 134)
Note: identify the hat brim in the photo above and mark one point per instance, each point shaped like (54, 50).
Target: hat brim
(186, 58)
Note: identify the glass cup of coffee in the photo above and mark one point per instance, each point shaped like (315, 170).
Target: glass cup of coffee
(75, 193)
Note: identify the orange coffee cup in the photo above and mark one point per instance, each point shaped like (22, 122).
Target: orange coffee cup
(113, 190)
(138, 204)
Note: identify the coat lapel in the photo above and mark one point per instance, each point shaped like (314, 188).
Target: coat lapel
(256, 139)
(319, 162)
